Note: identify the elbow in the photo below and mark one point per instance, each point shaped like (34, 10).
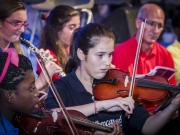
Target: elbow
(148, 131)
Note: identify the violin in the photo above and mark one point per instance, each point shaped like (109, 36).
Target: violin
(149, 91)
(51, 85)
(41, 123)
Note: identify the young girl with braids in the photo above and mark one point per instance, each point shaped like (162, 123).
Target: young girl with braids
(90, 58)
(18, 92)
(12, 24)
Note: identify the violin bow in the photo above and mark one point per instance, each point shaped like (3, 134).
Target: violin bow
(142, 27)
(52, 86)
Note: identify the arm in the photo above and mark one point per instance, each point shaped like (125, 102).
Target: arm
(52, 67)
(72, 99)
(126, 104)
(176, 57)
(117, 104)
(170, 63)
(154, 123)
(41, 82)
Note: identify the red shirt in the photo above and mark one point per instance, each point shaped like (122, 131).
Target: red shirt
(39, 69)
(124, 56)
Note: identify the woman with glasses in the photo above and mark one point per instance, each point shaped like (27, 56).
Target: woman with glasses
(55, 36)
(152, 54)
(13, 18)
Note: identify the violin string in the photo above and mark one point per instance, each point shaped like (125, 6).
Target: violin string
(86, 121)
(46, 77)
(160, 85)
(90, 123)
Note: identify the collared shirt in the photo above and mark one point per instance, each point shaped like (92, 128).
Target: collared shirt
(10, 46)
(6, 126)
(124, 56)
(174, 49)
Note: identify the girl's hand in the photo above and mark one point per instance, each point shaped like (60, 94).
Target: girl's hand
(126, 104)
(116, 130)
(53, 68)
(112, 66)
(46, 54)
(50, 64)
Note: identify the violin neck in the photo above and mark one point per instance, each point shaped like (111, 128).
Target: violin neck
(92, 125)
(156, 85)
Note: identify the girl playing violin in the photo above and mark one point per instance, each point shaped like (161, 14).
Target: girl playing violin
(90, 58)
(18, 92)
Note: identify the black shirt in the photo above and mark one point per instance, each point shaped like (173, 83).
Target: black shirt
(73, 93)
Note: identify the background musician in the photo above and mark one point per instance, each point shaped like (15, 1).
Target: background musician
(174, 48)
(152, 54)
(56, 34)
(13, 19)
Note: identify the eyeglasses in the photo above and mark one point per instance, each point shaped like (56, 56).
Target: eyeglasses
(18, 24)
(152, 24)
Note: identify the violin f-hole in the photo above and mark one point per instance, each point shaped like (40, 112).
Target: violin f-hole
(52, 129)
(122, 93)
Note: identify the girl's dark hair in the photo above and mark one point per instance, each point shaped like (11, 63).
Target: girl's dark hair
(8, 7)
(86, 38)
(14, 75)
(55, 22)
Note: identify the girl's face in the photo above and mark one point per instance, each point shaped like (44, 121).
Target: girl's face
(12, 27)
(26, 95)
(99, 58)
(65, 34)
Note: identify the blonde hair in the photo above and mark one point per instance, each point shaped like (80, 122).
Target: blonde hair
(18, 48)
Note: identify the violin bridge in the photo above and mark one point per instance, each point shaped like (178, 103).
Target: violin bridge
(55, 116)
(126, 81)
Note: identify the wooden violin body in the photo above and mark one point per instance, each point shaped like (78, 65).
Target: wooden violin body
(41, 123)
(149, 91)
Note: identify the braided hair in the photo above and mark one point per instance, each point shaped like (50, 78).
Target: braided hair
(14, 75)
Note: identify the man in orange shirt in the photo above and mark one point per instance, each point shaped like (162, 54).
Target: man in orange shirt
(152, 54)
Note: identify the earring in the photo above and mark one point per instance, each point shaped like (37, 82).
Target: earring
(10, 100)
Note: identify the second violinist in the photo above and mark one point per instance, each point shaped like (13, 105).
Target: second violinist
(90, 57)
(152, 54)
(18, 92)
